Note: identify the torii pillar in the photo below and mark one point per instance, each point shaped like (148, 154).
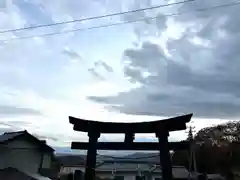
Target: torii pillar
(91, 154)
(165, 159)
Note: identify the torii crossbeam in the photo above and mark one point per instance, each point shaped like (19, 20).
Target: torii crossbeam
(161, 128)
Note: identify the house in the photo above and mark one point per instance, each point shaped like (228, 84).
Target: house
(120, 169)
(22, 153)
(13, 174)
(215, 177)
(132, 171)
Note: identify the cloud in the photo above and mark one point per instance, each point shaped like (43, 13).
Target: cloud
(44, 137)
(99, 69)
(104, 65)
(195, 72)
(95, 74)
(41, 81)
(55, 112)
(169, 66)
(72, 54)
(15, 111)
(8, 125)
(95, 69)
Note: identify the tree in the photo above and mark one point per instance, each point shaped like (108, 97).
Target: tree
(190, 134)
(220, 135)
(217, 143)
(217, 149)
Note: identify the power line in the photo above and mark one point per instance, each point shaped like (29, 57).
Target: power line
(94, 17)
(127, 22)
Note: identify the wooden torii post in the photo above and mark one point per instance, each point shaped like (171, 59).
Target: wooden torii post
(161, 128)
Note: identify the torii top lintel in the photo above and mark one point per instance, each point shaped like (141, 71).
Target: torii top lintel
(171, 124)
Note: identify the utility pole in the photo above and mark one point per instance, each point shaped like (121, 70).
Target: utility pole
(192, 158)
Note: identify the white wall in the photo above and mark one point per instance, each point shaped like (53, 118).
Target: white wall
(27, 159)
(67, 170)
(155, 176)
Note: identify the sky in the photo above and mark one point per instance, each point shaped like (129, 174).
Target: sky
(143, 71)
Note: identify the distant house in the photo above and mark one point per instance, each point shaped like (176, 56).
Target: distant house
(22, 153)
(215, 177)
(132, 171)
(71, 163)
(120, 169)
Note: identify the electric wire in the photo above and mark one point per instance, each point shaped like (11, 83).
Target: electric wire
(94, 17)
(121, 23)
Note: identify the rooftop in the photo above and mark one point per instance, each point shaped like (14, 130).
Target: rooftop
(11, 136)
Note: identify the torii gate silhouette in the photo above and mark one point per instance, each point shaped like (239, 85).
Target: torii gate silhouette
(161, 128)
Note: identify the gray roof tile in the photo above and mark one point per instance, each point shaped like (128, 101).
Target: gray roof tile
(124, 167)
(13, 174)
(11, 135)
(6, 137)
(178, 171)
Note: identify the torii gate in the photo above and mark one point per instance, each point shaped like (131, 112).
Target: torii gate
(161, 128)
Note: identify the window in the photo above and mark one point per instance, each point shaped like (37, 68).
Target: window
(46, 162)
(119, 178)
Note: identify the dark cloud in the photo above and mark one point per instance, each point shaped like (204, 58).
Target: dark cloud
(95, 74)
(97, 67)
(6, 110)
(148, 25)
(201, 75)
(94, 71)
(103, 64)
(72, 54)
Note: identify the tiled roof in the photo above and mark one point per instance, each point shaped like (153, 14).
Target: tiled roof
(11, 135)
(13, 174)
(71, 160)
(178, 171)
(6, 137)
(214, 176)
(140, 158)
(129, 165)
(38, 176)
(123, 167)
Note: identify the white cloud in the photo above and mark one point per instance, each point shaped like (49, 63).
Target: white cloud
(54, 124)
(36, 76)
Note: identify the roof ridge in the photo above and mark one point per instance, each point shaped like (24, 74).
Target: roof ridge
(6, 137)
(22, 131)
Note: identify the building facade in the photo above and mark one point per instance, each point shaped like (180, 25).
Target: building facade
(24, 152)
(130, 170)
